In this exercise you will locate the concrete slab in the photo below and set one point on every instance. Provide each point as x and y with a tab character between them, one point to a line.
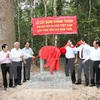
47	81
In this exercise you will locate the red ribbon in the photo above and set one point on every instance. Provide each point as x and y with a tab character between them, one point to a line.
63	48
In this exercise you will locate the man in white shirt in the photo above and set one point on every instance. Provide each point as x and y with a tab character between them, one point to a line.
27	66
71	59
95	58
17	58
5	62
83	53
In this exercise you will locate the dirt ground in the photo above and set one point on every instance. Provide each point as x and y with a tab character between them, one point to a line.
78	92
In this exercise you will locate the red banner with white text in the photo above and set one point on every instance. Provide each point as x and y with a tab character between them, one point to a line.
54	25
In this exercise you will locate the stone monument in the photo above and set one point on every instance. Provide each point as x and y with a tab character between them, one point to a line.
45	80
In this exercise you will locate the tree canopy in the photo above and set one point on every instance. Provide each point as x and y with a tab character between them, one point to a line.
87	12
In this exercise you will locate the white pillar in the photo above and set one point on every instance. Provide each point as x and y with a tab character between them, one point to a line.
41	65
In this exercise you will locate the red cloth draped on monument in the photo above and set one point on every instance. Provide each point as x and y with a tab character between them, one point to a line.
51	54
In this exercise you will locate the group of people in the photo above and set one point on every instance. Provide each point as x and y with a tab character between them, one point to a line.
11	62
89	60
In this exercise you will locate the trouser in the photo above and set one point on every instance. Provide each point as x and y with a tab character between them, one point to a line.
70	66
96	70
27	66
92	71
17	72
84	66
6	68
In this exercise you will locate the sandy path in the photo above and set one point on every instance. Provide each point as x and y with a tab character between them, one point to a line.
79	92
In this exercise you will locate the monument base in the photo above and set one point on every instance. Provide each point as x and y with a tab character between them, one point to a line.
46	80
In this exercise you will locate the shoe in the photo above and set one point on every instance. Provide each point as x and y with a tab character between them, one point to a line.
86	84
73	82
10	85
14	86
28	79
5	88
92	84
97	85
24	81
19	83
77	83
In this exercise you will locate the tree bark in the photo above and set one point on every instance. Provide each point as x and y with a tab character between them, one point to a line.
18	8
54	14
45	7
89	9
31	14
7	30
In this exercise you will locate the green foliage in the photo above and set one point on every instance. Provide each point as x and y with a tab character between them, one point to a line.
88	23
87	27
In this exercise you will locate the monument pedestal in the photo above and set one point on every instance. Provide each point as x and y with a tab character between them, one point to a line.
45	80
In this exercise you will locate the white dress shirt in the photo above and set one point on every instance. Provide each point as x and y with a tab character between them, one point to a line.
86	52
28	51
3	58
15	55
94	54
70	52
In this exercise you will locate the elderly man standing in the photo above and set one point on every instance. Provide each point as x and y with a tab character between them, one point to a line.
5	62
28	60
17	58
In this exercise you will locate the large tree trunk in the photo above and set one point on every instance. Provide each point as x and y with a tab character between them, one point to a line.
7	30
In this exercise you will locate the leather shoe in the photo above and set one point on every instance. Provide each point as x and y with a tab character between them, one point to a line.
14	86
97	85
10	86
92	84
73	82
19	83
24	81
5	88
86	84
77	83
